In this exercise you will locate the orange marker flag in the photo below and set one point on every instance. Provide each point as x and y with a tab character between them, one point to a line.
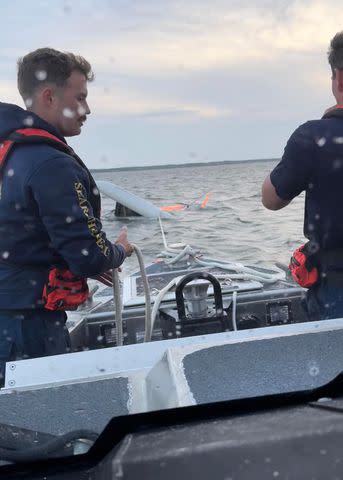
204	202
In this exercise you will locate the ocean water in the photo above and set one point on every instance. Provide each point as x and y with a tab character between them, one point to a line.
234	226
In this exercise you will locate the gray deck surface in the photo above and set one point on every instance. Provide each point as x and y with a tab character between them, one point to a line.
265	367
61	409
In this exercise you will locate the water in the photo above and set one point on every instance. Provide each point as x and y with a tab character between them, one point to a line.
234	225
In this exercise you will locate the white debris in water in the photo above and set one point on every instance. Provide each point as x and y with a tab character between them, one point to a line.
41	75
68	113
85	252
5	255
69	219
337	164
10	172
95	191
338	140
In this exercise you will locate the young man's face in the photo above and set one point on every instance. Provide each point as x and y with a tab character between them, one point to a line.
70	105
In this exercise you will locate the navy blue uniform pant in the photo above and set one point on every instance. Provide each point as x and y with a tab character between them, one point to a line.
31	334
324	302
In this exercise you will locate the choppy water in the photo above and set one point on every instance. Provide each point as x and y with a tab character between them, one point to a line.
234	225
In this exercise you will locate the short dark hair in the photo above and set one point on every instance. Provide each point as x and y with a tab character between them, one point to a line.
46	65
335	53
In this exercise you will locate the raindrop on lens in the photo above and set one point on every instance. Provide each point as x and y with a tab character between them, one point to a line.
28	102
313	369
81	111
321	142
68	113
41	75
337	164
28	121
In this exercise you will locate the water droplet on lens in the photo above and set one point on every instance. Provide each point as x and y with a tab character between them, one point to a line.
68	113
28	121
321	142
41	75
28	102
337	164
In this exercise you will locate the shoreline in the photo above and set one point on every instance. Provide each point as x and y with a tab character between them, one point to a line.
181	165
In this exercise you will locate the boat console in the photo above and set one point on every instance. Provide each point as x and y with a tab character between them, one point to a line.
202	301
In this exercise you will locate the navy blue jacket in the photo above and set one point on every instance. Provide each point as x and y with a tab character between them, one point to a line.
46	218
313	162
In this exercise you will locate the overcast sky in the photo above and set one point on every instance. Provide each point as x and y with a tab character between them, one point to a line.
183	81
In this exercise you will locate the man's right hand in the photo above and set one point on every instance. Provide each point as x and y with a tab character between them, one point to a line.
122	240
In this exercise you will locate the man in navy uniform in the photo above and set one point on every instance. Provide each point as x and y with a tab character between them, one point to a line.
313	162
49	206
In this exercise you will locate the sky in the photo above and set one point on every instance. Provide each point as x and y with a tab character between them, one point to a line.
183	81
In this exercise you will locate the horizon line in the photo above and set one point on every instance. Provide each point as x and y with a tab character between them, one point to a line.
181	165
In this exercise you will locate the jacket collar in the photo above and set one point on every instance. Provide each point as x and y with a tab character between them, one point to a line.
336	111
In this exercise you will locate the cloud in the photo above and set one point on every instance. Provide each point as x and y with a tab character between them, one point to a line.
196	37
185	60
120	101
